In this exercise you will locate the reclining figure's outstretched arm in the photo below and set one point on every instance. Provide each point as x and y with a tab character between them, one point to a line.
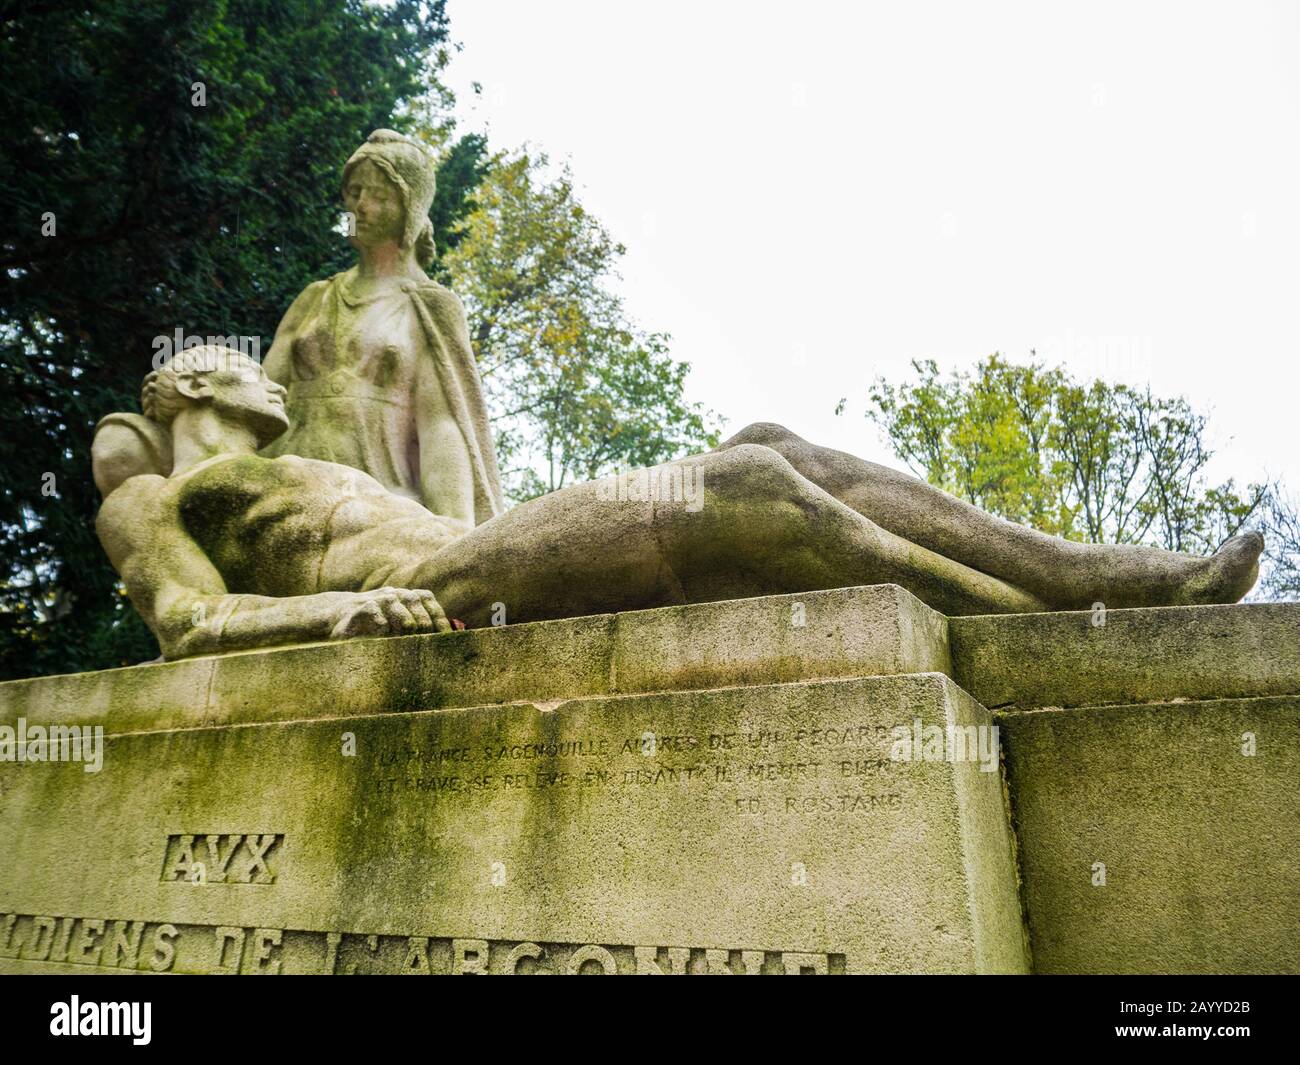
184	600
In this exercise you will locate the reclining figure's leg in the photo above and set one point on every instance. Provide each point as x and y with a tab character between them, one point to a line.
763	529
1065	574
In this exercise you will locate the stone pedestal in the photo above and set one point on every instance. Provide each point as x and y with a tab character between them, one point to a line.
789	784
1153	762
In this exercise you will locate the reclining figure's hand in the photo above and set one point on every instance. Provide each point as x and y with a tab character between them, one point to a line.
389	612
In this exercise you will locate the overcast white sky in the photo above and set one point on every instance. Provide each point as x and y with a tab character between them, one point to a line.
813	194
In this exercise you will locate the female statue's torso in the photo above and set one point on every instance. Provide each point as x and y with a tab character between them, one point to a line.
352	365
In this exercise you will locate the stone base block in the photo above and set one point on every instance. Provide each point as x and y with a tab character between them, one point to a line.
1160	838
844	632
745	830
701	788
1087	658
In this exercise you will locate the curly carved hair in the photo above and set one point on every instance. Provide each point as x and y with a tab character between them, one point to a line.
161	400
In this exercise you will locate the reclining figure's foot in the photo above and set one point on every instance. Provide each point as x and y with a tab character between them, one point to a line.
1227	575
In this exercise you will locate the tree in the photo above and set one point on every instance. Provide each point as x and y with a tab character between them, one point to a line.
1282	529
1092	461
573	387
462	168
164	166
982	439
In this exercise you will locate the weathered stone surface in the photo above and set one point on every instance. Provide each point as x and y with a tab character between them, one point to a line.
846	632
906	864
1200	841
1068	659
880	629
755	828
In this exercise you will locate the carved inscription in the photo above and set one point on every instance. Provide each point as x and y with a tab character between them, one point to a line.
221	859
161	947
149	946
801	772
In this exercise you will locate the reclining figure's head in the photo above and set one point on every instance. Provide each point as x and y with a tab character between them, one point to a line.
230	384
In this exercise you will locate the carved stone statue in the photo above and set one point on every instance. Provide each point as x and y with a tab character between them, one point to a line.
374	505
377	359
233	549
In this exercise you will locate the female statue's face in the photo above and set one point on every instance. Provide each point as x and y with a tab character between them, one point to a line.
376	204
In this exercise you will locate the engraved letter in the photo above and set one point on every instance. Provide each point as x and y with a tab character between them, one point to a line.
229	935
35	950
801	964
469	957
180	868
332	941
164	950
647	961
218	864
519	953
417	957
82	953
595	953
264	941
258	847
124	948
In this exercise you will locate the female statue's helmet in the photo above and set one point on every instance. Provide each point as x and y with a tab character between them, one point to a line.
411	167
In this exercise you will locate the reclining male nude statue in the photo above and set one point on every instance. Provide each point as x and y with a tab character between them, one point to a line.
223	549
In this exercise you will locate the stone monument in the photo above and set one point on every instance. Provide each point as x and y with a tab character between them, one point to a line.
772	709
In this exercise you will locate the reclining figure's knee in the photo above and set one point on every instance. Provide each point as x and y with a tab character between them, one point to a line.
751	470
769	434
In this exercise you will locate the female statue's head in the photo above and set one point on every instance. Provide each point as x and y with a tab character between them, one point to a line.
388	186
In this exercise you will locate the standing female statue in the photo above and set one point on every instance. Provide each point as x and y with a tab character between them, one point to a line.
377	360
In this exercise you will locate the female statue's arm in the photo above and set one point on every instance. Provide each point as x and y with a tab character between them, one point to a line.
278	364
